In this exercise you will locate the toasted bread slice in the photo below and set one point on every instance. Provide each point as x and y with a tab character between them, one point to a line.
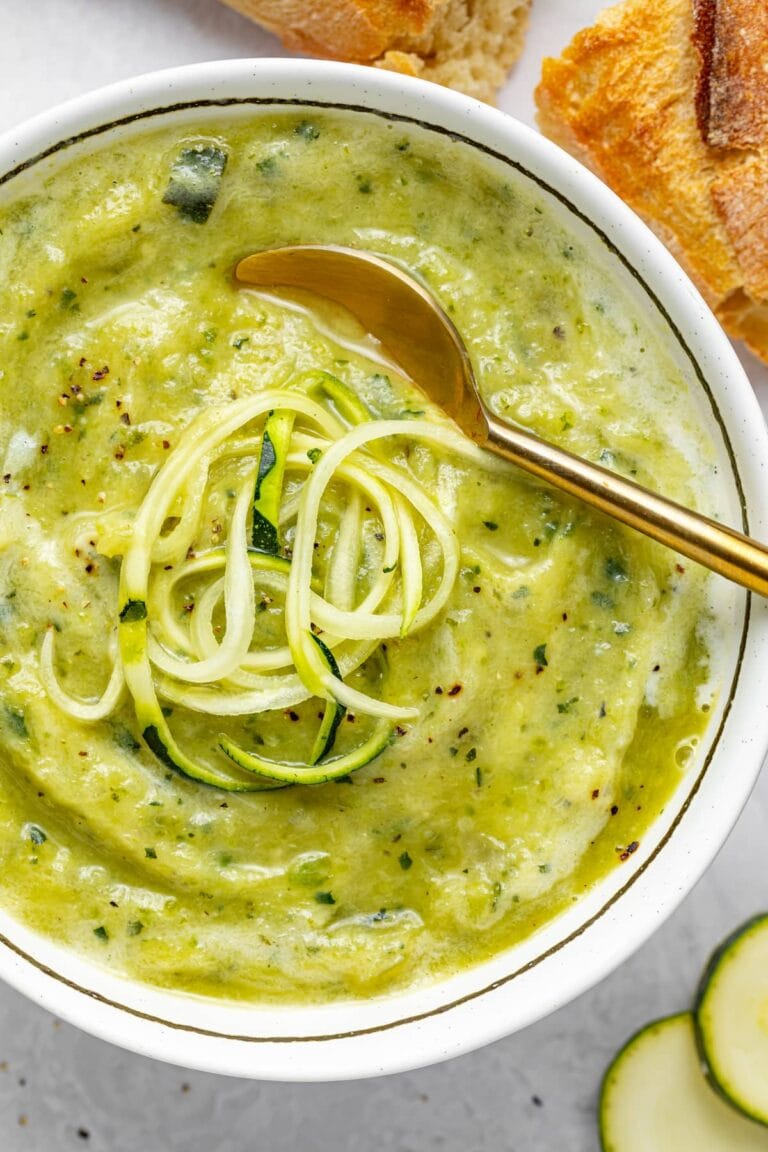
466	44
640	97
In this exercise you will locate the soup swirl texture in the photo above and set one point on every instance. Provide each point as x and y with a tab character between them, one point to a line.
552	703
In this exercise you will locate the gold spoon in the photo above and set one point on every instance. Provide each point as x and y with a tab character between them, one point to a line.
414	329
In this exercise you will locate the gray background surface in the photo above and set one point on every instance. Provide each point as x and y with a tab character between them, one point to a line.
534	1092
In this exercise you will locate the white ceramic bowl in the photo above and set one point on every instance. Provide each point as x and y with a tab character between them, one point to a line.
578	948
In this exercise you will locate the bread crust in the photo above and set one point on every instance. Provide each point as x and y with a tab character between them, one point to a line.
343	29
467	44
731	38
633	97
739	196
704	14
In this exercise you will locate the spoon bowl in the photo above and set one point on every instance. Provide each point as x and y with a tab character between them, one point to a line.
394	307
408	320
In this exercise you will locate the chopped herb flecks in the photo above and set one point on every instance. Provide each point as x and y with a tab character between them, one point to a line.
125	739
615	570
16	723
307	130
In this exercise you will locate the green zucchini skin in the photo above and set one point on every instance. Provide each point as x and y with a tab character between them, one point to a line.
195	181
323	773
275	442
334	711
264	531
706	1043
133	610
163	751
326	737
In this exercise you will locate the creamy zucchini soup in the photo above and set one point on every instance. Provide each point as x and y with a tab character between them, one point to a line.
303	695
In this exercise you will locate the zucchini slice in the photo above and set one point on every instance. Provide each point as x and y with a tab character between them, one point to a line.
654	1098
155	732
168	654
195	180
731	1015
334	769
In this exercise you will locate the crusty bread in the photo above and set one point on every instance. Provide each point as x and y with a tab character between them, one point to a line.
466	44
668	103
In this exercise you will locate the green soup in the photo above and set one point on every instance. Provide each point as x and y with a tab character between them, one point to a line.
559	691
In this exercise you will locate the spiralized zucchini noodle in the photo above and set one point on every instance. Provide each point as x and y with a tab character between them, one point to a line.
296	452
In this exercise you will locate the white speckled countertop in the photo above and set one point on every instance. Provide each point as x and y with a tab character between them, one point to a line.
60	1090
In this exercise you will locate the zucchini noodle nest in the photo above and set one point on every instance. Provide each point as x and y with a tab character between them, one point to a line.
293	452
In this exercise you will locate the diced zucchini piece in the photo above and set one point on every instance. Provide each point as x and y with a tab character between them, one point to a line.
347	403
655	1098
195	180
732	1019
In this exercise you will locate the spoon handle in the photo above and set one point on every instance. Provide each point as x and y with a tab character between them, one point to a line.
722	549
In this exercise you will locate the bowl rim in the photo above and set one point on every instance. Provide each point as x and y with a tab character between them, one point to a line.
486	1013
